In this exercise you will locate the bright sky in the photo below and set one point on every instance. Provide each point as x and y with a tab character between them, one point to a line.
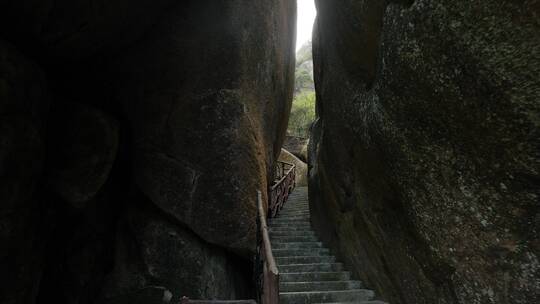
306	16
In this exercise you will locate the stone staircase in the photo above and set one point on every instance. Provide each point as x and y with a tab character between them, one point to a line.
308	272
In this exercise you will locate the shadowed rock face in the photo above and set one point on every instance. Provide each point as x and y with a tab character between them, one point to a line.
301	167
135	135
223	96
424	159
24	102
297	146
80	159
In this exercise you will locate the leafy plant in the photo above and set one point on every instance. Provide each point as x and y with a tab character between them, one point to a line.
303	107
302	114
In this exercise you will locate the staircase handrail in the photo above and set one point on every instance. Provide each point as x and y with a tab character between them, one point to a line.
267	273
279	192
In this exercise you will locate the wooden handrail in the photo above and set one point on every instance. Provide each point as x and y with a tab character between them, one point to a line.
287	163
280	181
270	261
279	192
266	271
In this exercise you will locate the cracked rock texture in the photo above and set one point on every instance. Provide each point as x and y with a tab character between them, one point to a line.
424	159
135	135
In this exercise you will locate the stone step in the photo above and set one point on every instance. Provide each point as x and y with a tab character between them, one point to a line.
291	229
303	217
315	276
358	302
315	267
300	252
292	216
308	273
299	226
319	286
294	211
296	245
308	259
290	220
304	226
293	239
296	206
306	297
293	233
298	212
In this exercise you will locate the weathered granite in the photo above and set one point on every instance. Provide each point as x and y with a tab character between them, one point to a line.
152	250
24	101
301	167
297	146
83	146
424	159
180	106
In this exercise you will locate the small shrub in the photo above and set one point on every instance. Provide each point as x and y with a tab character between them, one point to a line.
302	114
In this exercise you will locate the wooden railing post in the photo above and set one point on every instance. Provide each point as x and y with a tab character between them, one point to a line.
268	280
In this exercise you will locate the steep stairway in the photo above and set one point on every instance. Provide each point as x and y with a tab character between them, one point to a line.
308	272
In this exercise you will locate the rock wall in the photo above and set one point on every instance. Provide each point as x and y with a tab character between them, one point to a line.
134	137
301	169
424	159
297	146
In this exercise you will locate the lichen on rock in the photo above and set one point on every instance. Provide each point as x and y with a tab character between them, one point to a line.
424	168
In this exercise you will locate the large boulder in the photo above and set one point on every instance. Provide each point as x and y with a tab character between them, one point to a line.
23	107
82	149
301	167
180	106
297	146
207	123
152	250
425	155
60	31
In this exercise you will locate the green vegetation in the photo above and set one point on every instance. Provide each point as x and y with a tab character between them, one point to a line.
302	114
303	107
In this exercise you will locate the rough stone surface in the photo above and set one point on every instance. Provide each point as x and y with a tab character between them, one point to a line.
84	143
297	146
178	107
23	108
206	133
73	30
301	167
153	251
145	295
424	159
